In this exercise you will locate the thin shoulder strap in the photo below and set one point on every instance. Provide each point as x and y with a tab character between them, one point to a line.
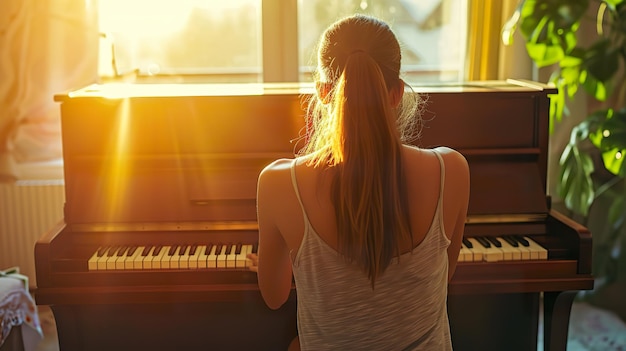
294	182
442	168
439	210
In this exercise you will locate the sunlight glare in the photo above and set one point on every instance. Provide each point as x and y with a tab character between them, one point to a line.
117	169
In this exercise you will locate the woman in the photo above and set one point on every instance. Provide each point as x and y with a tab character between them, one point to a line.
369	227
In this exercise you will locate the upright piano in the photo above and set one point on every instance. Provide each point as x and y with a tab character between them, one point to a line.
160	183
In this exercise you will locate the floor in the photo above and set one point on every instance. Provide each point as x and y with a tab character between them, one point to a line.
591	329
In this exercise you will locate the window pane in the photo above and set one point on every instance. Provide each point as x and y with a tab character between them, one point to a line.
182	37
432	33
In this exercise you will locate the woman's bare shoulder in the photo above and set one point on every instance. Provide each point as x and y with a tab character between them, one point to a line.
278	165
274	173
452	156
454	161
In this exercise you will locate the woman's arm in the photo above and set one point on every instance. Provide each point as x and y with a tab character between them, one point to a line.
274	263
456	199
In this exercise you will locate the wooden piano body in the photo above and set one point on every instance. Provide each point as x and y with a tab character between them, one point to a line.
160	164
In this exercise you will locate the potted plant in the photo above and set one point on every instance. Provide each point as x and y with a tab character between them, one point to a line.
592	167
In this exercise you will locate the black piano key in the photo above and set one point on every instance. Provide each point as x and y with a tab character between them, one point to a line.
103	250
511	241
146	251
157	250
238	248
192	249
218	248
521	240
207	251
494	241
183	250
112	251
172	250
484	242
132	250
468	243
229	248
122	251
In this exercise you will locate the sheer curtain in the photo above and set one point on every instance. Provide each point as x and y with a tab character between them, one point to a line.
46	47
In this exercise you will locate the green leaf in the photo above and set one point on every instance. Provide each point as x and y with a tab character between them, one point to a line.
596	88
576	186
609	137
614	161
593	125
601	61
614	3
544	55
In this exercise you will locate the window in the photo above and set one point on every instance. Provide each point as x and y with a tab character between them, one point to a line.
215	38
432	33
268	40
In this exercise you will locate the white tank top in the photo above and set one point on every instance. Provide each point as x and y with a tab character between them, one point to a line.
338	310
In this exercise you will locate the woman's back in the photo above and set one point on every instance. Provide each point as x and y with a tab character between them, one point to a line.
338	309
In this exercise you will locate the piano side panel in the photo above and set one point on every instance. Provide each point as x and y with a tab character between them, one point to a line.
47	247
579	238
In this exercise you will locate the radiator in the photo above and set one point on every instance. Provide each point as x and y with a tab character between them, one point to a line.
28	209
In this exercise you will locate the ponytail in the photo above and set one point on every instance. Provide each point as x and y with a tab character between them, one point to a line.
355	132
369	189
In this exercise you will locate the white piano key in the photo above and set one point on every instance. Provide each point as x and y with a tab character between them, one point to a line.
157	258
138	260
241	257
183	260
202	258
231	257
130	258
194	257
121	257
212	259
111	258
525	251
92	264
221	256
174	257
147	260
165	259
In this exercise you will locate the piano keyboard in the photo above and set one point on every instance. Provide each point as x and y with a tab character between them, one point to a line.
504	248
476	249
171	257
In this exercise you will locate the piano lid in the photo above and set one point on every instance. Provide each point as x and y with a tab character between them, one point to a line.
193	152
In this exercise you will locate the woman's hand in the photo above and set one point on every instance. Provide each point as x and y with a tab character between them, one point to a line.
254	262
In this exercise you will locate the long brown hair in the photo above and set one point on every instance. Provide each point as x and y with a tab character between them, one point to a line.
358	132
